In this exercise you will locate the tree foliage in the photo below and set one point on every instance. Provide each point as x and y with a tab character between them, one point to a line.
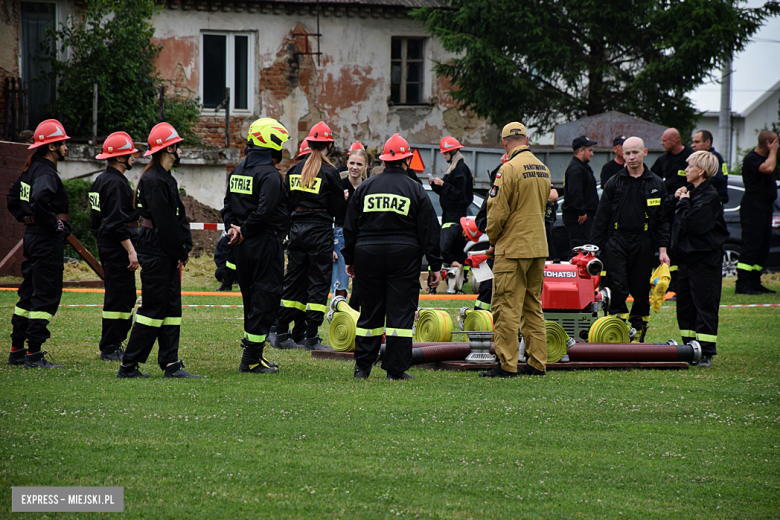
111	46
548	61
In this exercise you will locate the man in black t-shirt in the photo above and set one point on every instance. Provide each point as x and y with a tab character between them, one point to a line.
702	140
616	164
755	213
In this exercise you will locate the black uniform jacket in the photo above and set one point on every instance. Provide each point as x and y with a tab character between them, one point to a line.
699	226
671	168
456	193
39	193
391	208
580	194
481	218
111	209
615	195
325	193
720	181
158	200
256	200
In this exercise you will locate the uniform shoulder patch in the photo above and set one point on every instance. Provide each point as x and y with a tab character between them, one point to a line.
494	191
498	175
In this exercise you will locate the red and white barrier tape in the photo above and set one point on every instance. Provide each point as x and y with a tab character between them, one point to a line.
207	226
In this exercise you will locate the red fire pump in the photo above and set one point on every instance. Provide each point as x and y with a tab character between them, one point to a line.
571	296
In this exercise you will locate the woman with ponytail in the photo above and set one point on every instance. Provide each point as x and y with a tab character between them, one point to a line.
316	199
163	245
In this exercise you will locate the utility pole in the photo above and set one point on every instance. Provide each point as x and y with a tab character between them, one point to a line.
724	120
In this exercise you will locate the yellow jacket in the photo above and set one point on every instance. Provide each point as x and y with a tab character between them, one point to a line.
516	204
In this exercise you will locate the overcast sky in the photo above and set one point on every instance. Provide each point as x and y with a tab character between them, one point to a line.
756	70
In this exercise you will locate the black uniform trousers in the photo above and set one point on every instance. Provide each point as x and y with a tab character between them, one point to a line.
309	271
579	234
390	274
159	317
119	299
756	218
698	300
261	277
629	262
40	291
485	291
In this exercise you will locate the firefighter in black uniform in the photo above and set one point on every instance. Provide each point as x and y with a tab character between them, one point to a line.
256	217
115	222
580	196
629	226
39	199
485	297
390	224
316	198
671	168
699	232
755	213
164	243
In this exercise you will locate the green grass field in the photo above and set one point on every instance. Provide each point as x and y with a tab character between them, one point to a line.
311	442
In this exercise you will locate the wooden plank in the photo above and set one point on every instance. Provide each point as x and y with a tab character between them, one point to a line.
459	366
86	255
332	354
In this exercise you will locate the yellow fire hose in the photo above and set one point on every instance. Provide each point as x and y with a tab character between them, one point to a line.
608	329
557	341
433	326
478	319
341	332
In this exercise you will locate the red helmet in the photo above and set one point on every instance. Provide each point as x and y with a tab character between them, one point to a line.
449	144
355	146
50	131
320	133
504	159
117	145
304	149
396	148
162	136
469	226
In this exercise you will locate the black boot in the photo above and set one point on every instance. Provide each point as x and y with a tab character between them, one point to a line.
745	283
756	285
252	360
177	371
314	344
129	372
37	360
272	335
641	331
112	353
17	357
245	343
285	342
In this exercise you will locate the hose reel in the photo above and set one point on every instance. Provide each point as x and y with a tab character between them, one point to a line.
609	329
343	324
433	326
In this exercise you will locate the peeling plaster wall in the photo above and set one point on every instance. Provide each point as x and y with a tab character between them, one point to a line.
349	89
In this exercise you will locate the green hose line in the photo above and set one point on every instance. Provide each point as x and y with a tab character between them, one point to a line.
433	326
556	341
478	320
608	329
341	332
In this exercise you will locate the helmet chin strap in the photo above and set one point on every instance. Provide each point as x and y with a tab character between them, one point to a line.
127	164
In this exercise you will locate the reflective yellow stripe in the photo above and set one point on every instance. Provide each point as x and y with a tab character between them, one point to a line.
687	333
744	267
757	267
447	224
707	337
113	315
672	268
367	333
40	315
644	318
21	312
294	305
316	307
401	333
482	305
466	267
230	265
254	338
603	273
725	170
149	322
172	321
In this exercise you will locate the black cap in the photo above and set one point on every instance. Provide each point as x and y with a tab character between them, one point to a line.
582	141
619	140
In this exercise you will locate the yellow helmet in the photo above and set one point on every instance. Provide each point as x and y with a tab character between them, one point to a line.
267	132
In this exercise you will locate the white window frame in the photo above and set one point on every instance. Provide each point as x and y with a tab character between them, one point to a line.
230	72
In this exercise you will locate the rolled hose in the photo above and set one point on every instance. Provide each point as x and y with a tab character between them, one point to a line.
477	320
608	329
556	341
433	325
341	332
